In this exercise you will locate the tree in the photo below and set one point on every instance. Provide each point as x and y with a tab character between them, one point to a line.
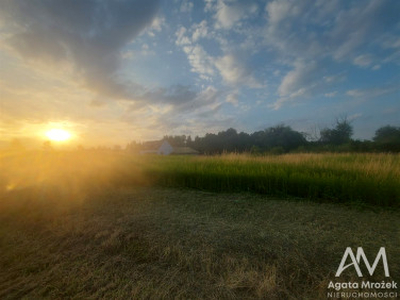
189	141
387	138
341	134
177	140
280	136
228	140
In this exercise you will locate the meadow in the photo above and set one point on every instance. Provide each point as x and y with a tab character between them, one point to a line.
113	225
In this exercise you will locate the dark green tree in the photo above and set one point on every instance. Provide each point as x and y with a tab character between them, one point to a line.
284	138
340	134
387	138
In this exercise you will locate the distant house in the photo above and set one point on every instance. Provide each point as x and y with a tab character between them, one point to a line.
163	147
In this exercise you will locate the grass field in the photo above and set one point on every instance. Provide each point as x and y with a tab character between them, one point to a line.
363	178
366	179
96	225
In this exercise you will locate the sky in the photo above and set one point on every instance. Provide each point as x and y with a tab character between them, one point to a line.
110	72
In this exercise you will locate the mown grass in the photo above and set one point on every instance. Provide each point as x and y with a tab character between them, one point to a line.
159	243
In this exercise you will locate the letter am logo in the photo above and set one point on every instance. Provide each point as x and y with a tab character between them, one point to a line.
355	261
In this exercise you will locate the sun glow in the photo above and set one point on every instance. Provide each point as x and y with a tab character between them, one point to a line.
58	135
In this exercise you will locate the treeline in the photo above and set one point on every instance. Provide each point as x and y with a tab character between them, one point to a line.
283	139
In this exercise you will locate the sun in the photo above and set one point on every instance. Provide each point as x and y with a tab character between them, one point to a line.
58	135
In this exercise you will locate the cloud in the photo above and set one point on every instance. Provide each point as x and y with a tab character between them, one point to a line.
363	60
128	54
156	26
209	5
181	37
368	23
186	6
87	34
178	99
232	68
298	80
287	28
312	36
207	99
373	92
390	41
330	95
281	10
230	13
376	67
312	29
355	93
201	62
354	117
235	72
305	80
175	95
200	30
335	78
188	111
232	98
